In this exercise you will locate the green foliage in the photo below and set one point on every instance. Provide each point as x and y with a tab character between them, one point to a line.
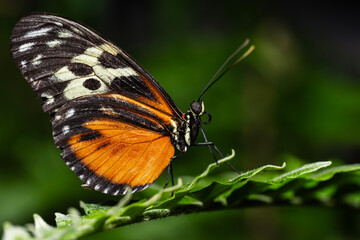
312	184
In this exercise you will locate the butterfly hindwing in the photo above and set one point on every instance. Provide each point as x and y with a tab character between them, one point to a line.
111	118
108	155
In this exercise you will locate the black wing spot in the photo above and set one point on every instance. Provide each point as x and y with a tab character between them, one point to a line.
90	136
103	145
92	84
80	69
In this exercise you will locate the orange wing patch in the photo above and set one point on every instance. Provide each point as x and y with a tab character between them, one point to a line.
161	114
160	102
121	153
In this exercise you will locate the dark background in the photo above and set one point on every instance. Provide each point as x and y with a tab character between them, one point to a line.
297	95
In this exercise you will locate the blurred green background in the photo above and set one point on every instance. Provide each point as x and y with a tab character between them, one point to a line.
297	94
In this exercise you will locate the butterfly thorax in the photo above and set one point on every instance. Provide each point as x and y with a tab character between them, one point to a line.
188	131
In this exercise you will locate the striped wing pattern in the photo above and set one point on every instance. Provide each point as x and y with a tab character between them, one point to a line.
112	120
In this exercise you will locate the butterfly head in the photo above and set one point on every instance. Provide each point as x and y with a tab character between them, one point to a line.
197	108
189	131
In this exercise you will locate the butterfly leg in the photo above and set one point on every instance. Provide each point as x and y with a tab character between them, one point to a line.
170	170
211	144
169	174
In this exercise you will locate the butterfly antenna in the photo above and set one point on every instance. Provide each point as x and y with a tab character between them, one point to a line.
221	70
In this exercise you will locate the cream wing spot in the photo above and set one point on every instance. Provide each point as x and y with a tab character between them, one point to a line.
37	59
89	181
89	57
38	32
63	74
48	97
110	48
76	30
76	88
86	59
102	73
66	129
23	63
64	34
58	24
109	74
50	101
108	111
54	43
124	72
70	113
94	51
26	46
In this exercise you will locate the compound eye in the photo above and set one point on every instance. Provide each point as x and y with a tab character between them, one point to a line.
197	107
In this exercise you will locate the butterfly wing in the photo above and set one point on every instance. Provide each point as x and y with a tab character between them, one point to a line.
112	120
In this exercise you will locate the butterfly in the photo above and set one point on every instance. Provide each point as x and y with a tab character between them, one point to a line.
116	126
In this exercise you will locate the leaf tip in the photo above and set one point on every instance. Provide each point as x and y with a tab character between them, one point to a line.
14	232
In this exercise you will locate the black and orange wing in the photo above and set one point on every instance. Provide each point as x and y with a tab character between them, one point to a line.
113	154
110	117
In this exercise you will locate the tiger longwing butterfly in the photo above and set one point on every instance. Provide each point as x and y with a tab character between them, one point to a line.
115	124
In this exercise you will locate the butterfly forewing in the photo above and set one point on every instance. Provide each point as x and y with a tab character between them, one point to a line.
111	118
